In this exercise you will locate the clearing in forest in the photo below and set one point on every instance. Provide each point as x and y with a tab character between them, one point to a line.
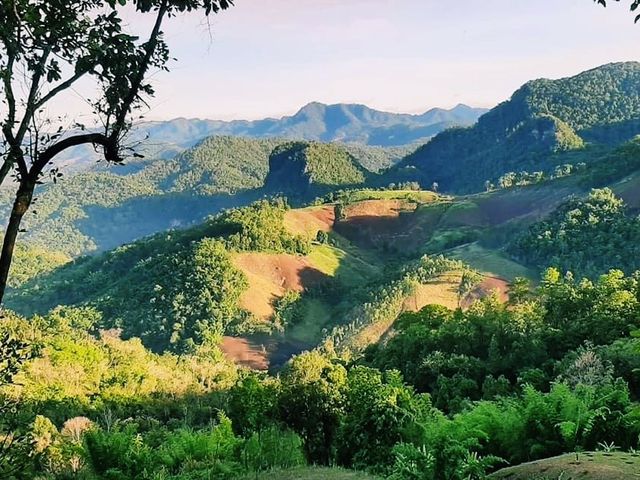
587	466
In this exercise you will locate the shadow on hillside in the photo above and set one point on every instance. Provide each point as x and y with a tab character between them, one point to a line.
612	133
111	227
270	351
383	233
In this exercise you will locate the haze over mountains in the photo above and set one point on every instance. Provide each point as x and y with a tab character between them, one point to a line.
346	123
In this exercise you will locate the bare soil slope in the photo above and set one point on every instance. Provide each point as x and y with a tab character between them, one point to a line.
270	276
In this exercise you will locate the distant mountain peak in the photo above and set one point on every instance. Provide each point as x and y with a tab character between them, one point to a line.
344	122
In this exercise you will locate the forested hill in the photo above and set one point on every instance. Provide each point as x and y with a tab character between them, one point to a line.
542	118
104	209
345	123
298	167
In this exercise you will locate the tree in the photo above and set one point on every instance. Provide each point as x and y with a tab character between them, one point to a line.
14	447
634	6
312	403
379	411
46	48
468	281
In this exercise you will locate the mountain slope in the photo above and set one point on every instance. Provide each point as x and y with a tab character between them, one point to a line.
586	237
103	209
300	167
252	270
542	118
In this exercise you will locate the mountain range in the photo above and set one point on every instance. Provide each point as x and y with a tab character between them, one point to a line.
344	123
347	123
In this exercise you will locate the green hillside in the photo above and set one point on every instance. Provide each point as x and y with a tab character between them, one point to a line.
102	210
262	269
173	280
106	208
542	118
585	465
217	165
301	167
586	237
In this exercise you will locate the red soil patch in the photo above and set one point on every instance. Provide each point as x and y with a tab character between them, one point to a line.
309	221
246	352
261	352
270	276
487	287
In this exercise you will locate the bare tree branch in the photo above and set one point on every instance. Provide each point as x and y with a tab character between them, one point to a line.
110	150
150	47
30	109
60	88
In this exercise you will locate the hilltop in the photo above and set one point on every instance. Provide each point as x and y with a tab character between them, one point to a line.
543	119
299	168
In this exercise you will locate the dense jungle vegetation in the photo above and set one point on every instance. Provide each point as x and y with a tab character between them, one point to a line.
584	236
453	394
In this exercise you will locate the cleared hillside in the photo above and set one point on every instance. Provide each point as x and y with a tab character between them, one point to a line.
272	280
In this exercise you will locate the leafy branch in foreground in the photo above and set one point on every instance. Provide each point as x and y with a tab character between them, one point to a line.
46	48
13	444
634	6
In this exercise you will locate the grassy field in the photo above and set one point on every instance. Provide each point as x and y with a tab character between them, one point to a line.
312	474
417	196
490	262
346	267
589	466
316	316
439	291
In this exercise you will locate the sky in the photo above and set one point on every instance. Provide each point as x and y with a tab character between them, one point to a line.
267	58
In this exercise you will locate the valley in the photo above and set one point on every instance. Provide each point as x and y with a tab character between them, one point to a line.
411	297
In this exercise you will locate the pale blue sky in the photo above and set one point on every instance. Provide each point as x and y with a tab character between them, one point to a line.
269	57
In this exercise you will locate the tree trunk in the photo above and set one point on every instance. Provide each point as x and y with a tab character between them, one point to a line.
20	207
